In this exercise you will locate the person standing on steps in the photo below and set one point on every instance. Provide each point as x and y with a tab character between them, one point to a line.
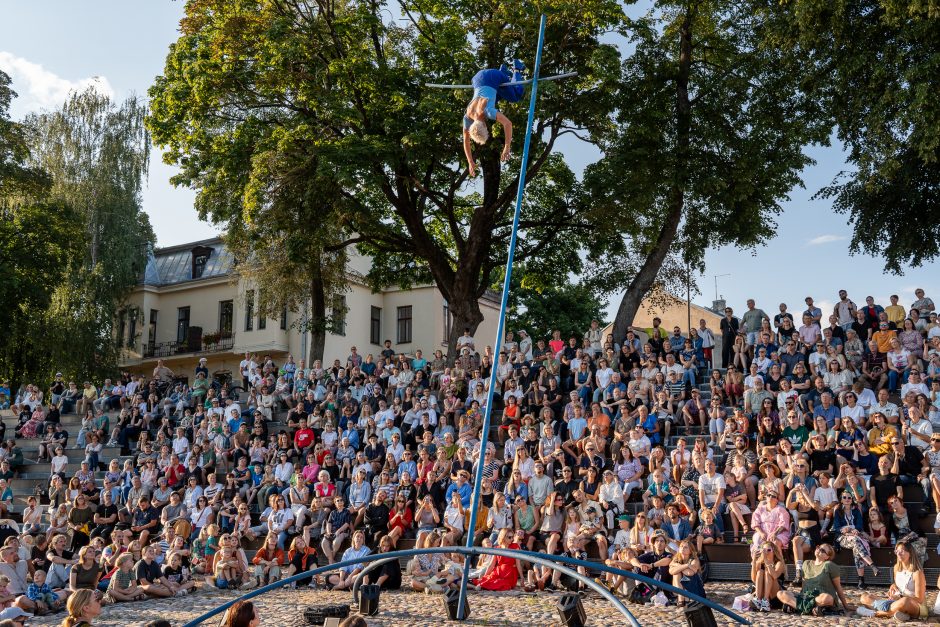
729	330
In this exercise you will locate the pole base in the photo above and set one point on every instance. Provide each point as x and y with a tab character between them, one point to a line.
451	600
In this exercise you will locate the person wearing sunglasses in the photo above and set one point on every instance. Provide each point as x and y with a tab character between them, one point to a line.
849	526
822	586
930	477
768	573
908	593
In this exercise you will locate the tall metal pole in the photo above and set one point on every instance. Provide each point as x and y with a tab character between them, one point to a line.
488	413
688	297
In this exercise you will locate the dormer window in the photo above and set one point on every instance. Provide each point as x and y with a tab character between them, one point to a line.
201	256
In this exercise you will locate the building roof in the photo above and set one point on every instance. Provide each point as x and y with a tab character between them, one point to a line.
174	264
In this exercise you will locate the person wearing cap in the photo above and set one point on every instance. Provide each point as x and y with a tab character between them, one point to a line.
14	617
883	335
461	487
592	527
611	497
676	528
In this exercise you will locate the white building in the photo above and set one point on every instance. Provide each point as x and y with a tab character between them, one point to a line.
191	303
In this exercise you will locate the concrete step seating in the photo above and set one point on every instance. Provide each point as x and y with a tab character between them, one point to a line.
727	561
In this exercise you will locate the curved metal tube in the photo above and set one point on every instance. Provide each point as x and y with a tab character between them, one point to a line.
534	558
650	582
602	567
539	559
365	571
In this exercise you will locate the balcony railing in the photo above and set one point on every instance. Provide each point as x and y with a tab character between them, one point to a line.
194	345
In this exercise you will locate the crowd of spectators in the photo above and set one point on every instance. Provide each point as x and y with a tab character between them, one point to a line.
635	450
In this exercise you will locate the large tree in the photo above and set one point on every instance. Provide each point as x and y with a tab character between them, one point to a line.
339	87
711	129
540	309
286	244
36	248
874	65
96	153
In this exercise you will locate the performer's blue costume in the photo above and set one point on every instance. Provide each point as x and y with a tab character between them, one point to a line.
489	84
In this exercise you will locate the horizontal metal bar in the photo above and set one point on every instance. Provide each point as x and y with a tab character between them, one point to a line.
525	82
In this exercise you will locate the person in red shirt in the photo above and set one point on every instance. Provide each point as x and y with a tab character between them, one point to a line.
399	520
304	439
175	472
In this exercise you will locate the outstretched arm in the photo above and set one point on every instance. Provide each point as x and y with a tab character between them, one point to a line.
507	131
468	151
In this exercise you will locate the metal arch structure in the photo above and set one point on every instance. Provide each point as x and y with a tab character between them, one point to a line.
377	559
533	558
557	560
552	561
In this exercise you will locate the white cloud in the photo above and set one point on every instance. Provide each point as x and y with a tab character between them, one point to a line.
826	306
825	239
40	88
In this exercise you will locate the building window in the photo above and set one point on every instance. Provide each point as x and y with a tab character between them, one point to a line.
404	325
448	322
132	335
182	325
262	320
339	315
226	314
122	327
284	318
375	326
250	310
152	331
201	256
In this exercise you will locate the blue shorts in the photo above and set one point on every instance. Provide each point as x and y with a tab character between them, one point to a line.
882	606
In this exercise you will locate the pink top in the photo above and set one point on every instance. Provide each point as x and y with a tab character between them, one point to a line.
766	521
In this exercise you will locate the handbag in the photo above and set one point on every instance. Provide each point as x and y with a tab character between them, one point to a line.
641	594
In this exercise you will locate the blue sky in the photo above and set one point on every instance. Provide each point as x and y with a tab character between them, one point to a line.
52	46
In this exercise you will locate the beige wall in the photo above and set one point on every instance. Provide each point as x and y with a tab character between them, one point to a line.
272	339
203	299
673	312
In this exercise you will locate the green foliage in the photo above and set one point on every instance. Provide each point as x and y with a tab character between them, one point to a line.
18	179
873	66
97	154
540	309
337	89
711	126
73	237
37	243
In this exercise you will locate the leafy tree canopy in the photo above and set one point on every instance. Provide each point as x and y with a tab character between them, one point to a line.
873	66
337	90
73	237
540	309
711	125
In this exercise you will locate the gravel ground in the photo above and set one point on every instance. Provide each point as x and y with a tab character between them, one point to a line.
285	609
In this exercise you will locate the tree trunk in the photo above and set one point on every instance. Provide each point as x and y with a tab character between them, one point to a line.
465	313
656	255
316	324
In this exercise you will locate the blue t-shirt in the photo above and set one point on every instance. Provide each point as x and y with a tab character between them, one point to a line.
576	427
485	84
